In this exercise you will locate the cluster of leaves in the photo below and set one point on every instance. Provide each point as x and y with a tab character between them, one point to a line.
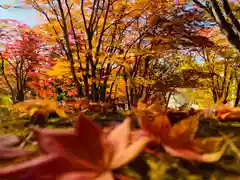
23	54
96	52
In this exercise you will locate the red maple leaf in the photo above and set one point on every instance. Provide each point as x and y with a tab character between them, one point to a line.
7	151
83	153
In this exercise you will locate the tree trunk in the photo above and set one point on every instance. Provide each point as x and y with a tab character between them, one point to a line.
86	85
20	96
127	92
132	95
94	92
237	96
80	91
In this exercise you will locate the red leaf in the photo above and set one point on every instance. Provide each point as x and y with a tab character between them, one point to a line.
68	144
84	153
91	138
77	176
8	153
44	167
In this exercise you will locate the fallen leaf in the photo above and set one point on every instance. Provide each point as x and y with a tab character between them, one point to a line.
86	152
179	140
7	151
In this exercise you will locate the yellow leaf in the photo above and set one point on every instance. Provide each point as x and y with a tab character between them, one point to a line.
61	113
32	111
213	157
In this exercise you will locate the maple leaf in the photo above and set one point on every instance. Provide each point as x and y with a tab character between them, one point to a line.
179	140
152	119
7	151
83	153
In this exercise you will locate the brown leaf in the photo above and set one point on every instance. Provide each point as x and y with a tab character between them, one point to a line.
160	126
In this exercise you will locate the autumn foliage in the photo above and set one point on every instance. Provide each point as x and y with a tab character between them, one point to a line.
102	88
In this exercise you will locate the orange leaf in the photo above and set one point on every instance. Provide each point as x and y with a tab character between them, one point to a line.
185	130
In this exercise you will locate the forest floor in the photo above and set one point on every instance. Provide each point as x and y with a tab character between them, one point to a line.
148	166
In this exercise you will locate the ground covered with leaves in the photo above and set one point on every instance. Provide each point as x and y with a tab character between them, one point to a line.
146	143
